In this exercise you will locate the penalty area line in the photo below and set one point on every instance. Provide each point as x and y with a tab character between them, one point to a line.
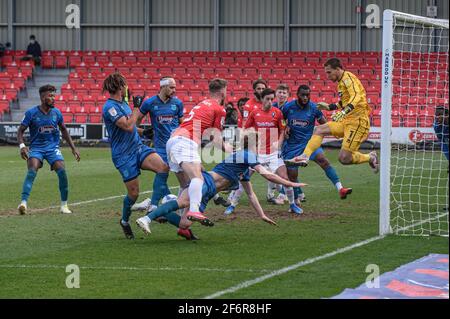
94	200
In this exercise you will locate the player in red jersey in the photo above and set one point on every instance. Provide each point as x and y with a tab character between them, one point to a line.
205	119
269	123
255	103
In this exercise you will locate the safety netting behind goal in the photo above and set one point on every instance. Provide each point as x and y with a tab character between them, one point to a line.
419	136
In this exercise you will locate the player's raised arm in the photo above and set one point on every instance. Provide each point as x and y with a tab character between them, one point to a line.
116	85
255	203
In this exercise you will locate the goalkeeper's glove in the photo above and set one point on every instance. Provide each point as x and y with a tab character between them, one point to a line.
127	95
327	107
137	101
339	116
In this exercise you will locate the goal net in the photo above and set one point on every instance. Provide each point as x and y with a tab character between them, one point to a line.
414	161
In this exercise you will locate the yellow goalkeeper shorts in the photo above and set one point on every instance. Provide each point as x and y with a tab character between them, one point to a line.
354	132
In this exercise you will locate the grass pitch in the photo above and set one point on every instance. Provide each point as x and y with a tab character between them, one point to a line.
35	249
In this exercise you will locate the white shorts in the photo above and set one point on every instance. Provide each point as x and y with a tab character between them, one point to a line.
181	149
271	161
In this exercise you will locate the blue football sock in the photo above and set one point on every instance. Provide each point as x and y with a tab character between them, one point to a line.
297	192
126	210
164	210
63	184
28	184
173	218
160	188
332	175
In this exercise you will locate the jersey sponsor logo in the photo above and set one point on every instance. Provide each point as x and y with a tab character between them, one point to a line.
46	129
112	111
165	119
265	124
301	123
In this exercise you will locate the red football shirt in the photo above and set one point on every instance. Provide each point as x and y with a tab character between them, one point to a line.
249	107
205	115
269	125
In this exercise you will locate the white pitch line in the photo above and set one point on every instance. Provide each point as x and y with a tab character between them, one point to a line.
281	271
135	268
93	201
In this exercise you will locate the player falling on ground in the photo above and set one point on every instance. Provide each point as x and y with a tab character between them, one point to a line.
129	154
351	122
182	148
300	116
45	123
166	115
269	123
234	170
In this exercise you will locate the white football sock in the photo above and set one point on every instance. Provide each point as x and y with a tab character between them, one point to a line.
195	194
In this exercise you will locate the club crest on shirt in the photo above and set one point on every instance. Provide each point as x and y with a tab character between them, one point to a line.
174	107
54	117
340	94
112	111
273	115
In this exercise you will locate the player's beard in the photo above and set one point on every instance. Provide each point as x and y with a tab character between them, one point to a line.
257	95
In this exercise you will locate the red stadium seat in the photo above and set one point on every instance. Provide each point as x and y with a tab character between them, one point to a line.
61	62
47	62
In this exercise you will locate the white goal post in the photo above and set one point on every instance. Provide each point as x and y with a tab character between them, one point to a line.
413	170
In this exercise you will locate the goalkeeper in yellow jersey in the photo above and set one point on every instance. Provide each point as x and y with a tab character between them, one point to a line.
351	122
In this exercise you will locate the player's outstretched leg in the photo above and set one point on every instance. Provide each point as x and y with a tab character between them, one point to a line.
64	190
26	190
128	201
373	162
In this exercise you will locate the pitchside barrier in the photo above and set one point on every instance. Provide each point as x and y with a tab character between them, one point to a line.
406	136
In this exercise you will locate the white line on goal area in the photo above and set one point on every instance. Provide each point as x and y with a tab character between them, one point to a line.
39	266
308	261
94	200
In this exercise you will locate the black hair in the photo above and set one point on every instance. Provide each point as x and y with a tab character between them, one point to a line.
303	87
242	101
46	88
266	92
114	82
259	81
